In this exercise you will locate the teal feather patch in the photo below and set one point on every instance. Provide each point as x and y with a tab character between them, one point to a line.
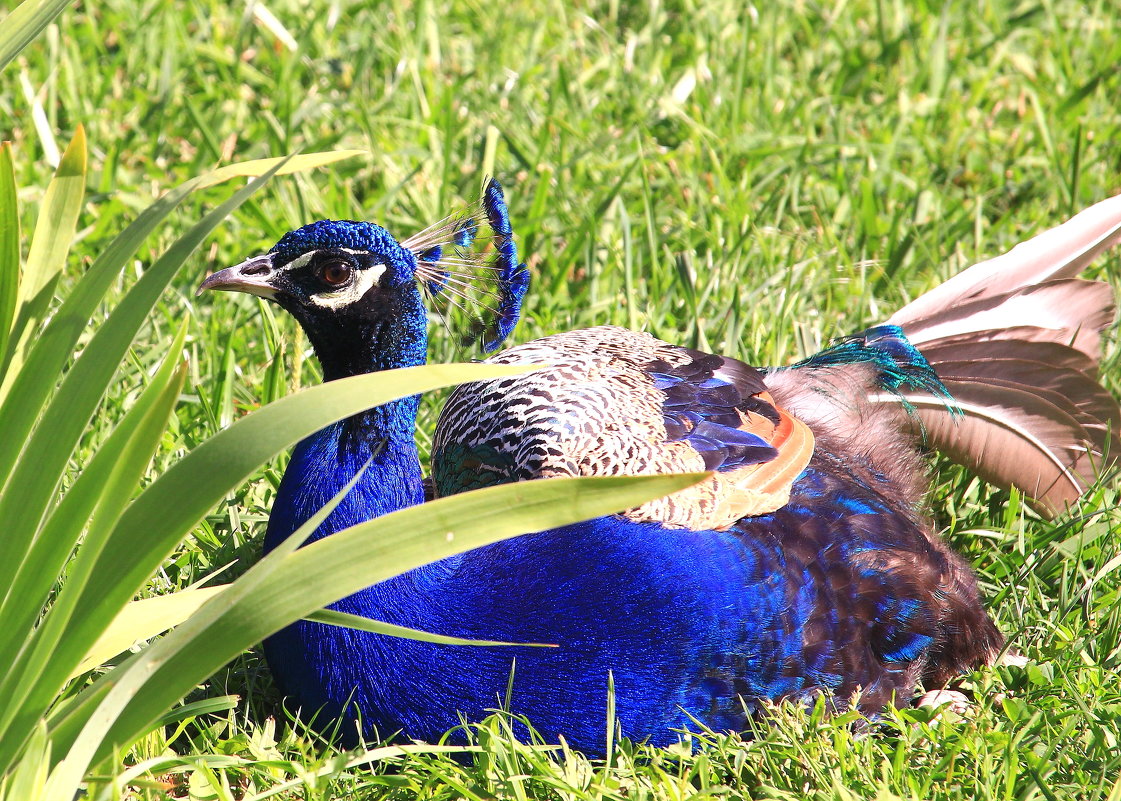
460	468
900	367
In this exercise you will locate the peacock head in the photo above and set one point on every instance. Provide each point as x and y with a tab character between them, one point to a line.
359	293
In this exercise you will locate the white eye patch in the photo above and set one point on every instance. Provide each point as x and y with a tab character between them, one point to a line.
362	282
298	262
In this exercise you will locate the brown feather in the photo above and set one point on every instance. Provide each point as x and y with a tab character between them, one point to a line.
1071	311
596	411
1061	252
1010	343
1017	341
1013	437
1071	390
795	444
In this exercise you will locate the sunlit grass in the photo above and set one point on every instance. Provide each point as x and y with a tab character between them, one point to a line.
753	180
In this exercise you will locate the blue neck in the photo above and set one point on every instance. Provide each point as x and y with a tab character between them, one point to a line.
333	456
384	436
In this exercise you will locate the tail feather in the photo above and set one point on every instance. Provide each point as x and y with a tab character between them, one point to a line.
1062	252
1016	437
1068	311
1017	342
1024	343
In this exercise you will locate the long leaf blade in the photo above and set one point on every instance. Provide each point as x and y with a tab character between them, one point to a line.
277	592
63	619
40	569
148	617
27	676
164	512
142	620
9	249
140	428
333	617
55	343
32	484
25	23
162	515
54	232
281	165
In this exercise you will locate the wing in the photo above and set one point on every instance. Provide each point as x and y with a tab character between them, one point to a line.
616	402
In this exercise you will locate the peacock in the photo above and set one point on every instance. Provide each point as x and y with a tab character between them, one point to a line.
803	567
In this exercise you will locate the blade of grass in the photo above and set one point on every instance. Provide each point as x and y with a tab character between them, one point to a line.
368	758
142	620
148	617
277	166
30	776
29	678
24	24
54	345
174	609
54	232
159	518
37	575
334	618
33	482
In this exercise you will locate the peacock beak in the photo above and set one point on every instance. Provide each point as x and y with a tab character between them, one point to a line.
253	276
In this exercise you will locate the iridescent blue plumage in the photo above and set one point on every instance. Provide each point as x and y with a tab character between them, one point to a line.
335	234
703	410
719	622
490	290
513	275
462	235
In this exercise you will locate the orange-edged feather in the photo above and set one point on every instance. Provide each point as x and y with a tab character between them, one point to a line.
762	488
617	402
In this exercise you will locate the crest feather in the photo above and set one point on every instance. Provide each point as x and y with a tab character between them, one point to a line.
455	265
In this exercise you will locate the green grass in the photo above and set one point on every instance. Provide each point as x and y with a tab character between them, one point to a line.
753	181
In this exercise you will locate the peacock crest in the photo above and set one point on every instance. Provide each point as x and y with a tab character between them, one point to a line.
454	266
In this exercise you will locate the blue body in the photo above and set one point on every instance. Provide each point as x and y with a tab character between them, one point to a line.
686	622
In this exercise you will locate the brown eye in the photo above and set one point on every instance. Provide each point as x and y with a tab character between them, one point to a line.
335	273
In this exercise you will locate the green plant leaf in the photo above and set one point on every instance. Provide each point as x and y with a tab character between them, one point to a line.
365	758
334	618
162	515
24	24
28	390
145	618
281	165
148	617
9	249
276	592
54	232
116	490
142	620
32	485
28	782
47	555
159	518
63	620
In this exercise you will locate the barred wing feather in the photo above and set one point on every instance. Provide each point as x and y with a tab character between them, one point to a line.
616	402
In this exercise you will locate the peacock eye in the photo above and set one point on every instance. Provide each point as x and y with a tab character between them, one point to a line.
335	273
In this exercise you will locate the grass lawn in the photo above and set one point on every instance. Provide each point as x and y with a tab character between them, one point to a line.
748	179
